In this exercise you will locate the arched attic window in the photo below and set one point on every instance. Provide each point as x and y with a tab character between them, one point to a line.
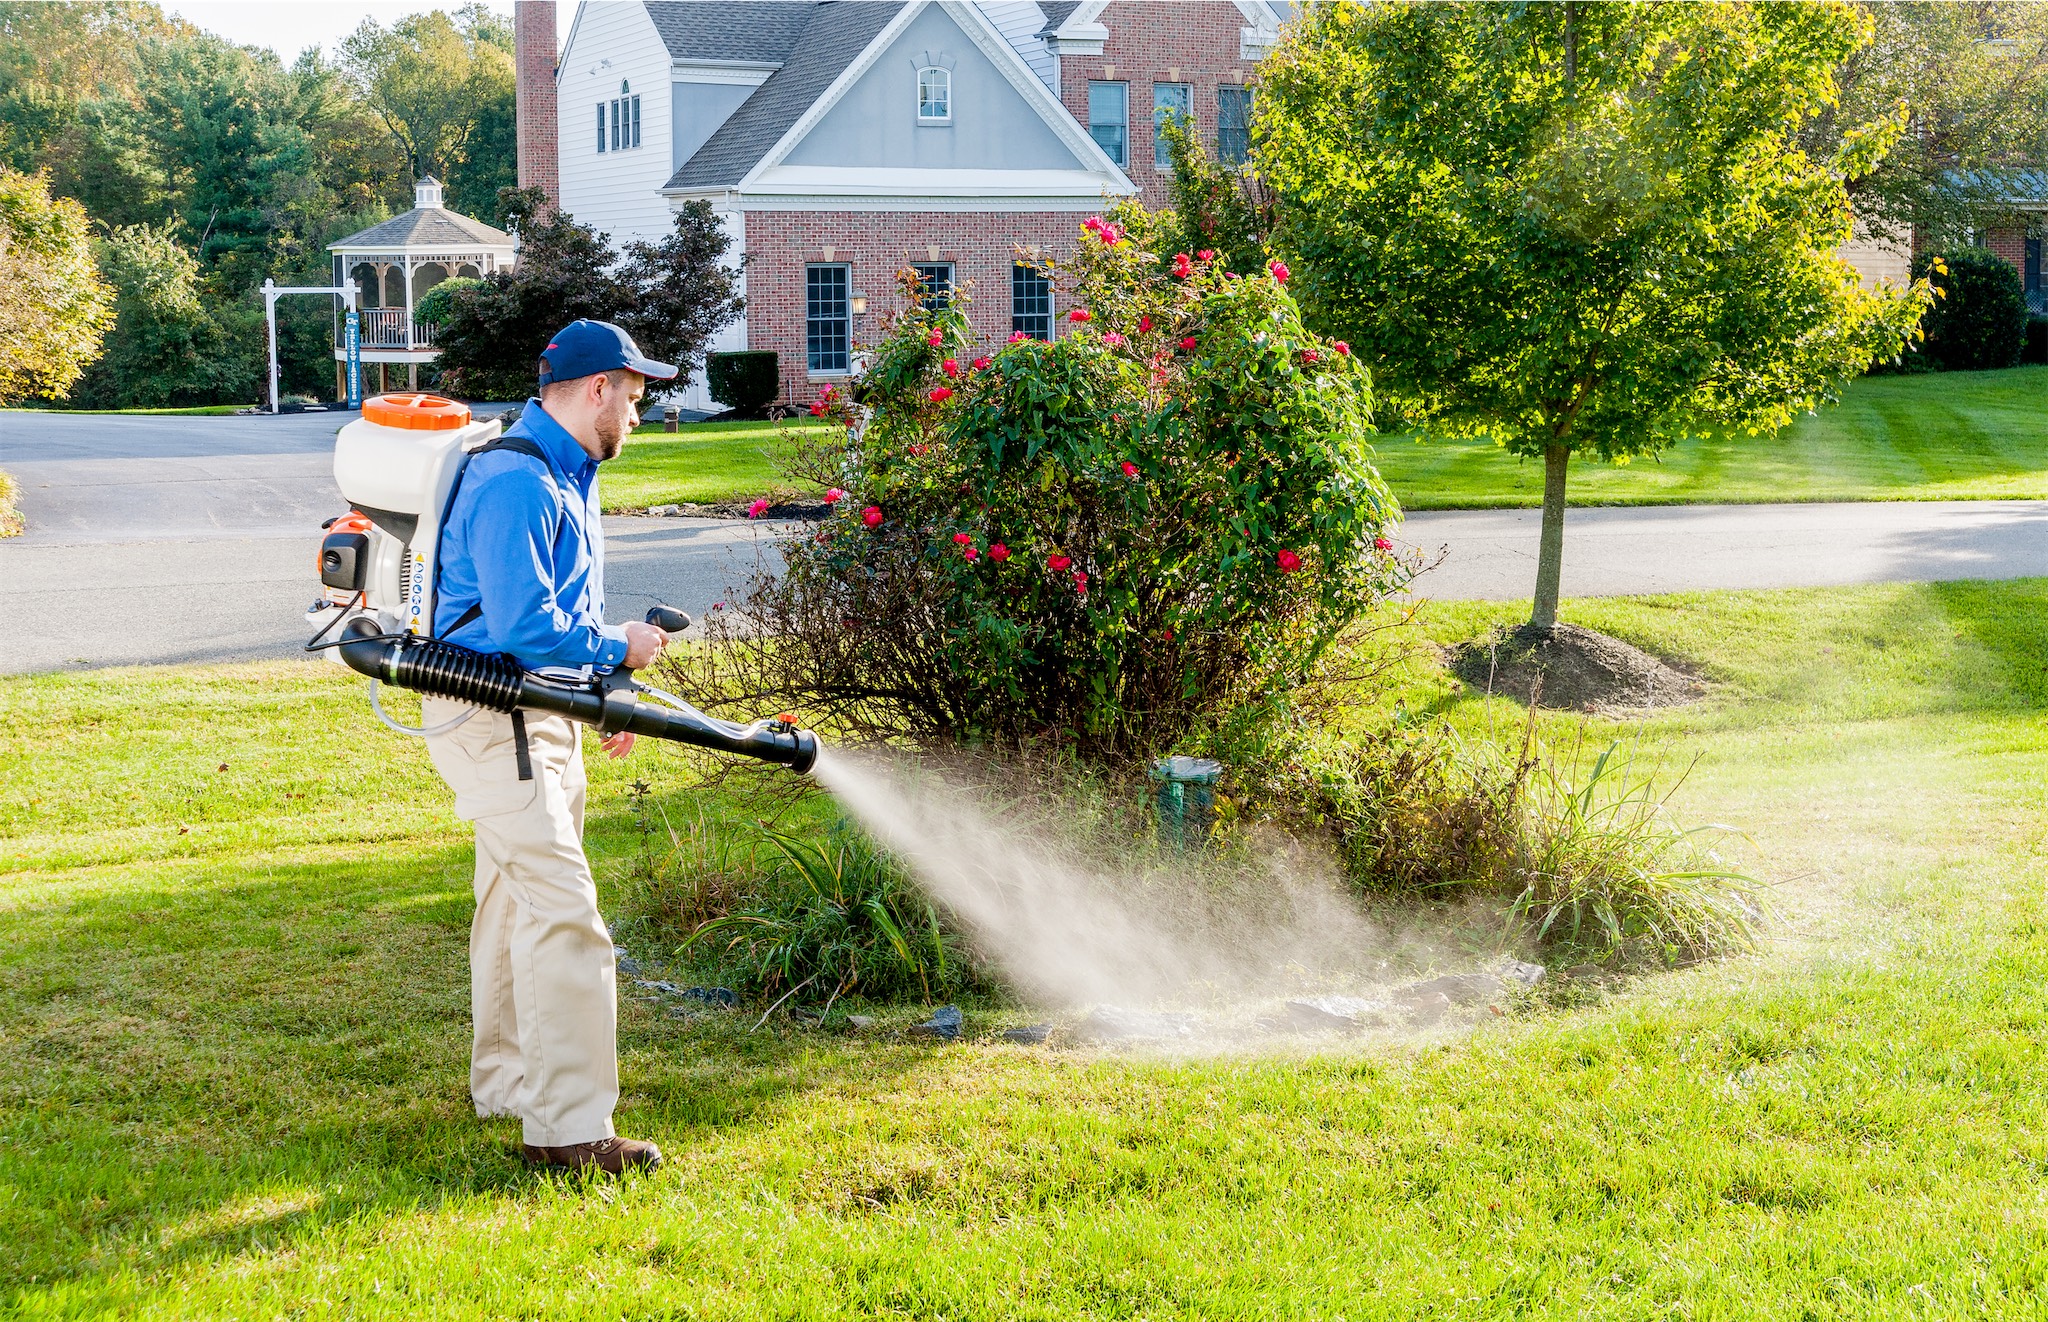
934	95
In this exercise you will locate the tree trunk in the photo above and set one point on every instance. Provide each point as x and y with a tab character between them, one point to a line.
1550	552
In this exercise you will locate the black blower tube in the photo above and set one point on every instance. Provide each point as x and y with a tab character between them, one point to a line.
445	670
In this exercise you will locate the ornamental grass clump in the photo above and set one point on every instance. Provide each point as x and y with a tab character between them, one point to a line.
1104	539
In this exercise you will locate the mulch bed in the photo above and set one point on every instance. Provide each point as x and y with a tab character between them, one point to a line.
1574	669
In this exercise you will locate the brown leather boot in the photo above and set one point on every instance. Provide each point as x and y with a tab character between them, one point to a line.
613	1156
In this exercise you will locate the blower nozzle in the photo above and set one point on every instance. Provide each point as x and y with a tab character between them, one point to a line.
611	704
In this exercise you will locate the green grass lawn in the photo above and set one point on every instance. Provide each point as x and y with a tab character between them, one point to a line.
1950	436
233	1011
700	463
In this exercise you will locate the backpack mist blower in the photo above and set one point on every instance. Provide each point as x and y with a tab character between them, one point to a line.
399	467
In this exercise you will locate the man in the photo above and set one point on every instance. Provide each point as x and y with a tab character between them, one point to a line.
522	573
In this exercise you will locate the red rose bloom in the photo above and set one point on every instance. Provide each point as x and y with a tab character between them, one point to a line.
1279	270
998	552
1188	343
1144	323
935	339
1080	582
961	538
1058	562
1310	356
1015	336
969	552
757	509
1382	544
1080	314
871	516
951	367
942	394
834	496
1130	469
982	362
1341	347
1289	562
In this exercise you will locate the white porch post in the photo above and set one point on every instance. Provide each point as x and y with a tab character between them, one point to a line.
412	368
270	321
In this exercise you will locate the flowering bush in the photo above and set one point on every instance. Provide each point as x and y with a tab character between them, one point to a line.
1108	538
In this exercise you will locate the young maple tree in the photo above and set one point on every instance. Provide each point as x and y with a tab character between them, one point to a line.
1577	228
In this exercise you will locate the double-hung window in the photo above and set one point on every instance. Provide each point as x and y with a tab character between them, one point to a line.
1109	119
1169	100
934	96
937	279
1233	124
828	321
624	121
1030	301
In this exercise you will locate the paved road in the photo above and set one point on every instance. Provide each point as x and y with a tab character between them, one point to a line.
192	539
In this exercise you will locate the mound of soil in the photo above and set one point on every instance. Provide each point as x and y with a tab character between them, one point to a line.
1574	669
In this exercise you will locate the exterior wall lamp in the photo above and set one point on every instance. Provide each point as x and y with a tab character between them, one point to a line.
859	304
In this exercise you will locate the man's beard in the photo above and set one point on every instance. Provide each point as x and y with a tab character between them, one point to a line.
611	437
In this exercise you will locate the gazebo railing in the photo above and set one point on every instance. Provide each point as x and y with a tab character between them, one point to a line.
385	328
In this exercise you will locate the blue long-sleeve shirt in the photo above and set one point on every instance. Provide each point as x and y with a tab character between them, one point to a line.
527	541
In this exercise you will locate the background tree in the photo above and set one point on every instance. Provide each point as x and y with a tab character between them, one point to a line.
1971	82
1216	206
170	348
671	296
1577	227
54	308
443	85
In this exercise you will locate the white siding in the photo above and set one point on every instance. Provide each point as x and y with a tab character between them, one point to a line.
1020	23
1875	260
614	41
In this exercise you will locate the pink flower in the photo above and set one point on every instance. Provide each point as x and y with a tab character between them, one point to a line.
998	552
1015	336
1310	356
1279	270
1080	314
1111	235
1113	340
1093	223
951	367
961	538
935	339
829	391
818	409
1289	562
969	552
1130	469
982	362
1341	347
1080	582
758	508
834	496
1058	562
942	394
1207	254
1144	323
1382	544
871	516
1188	343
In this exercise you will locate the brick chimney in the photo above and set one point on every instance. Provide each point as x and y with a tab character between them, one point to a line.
533	31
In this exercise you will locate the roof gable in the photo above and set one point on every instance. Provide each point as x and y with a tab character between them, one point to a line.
832	38
426	227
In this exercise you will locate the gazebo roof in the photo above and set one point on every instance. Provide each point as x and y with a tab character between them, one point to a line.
427	225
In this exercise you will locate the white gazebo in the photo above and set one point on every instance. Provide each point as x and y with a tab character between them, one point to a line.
394	264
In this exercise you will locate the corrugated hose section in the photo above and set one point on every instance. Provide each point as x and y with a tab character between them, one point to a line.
448	671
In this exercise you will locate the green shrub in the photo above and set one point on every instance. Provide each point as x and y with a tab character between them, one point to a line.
837	918
1168	512
434	305
1577	846
745	381
2037	341
1979	318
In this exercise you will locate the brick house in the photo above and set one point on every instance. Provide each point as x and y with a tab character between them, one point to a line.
2014	234
841	142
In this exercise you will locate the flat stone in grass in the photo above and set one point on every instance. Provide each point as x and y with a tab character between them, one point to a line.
1574	669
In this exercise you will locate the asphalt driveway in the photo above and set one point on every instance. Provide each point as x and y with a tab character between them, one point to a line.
155	540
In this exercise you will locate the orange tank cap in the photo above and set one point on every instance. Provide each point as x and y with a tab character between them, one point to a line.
416	412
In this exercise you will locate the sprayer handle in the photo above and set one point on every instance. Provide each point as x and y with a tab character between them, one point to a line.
668	619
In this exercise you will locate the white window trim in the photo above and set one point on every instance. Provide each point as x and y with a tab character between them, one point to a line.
946	77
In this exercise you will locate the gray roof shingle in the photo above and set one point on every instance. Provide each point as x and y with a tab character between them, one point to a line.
833	36
426	227
755	31
1055	12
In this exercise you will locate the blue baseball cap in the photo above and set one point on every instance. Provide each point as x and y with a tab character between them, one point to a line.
585	348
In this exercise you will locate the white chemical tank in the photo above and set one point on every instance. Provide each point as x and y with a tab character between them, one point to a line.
398	464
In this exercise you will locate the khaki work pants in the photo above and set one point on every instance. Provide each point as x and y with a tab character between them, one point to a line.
542	982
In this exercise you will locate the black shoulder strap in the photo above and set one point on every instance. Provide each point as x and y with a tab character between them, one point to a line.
518	445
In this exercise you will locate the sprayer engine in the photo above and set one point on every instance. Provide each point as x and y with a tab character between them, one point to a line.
399	467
